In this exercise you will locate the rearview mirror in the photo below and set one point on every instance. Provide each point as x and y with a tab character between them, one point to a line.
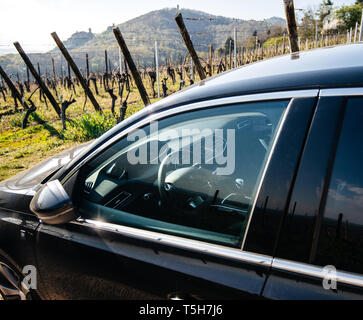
52	204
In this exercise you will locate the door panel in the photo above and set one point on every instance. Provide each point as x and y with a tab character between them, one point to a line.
298	285
82	261
78	262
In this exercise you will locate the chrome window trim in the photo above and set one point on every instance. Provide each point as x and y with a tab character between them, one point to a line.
341	92
194	106
316	271
180	242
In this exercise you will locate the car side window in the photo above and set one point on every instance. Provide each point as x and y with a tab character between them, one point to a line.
194	174
340	241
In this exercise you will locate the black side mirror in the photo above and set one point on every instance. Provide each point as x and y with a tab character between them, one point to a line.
52	204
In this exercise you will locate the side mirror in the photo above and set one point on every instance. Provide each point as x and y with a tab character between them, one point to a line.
52	204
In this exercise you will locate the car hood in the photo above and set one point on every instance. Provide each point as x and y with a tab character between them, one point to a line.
28	180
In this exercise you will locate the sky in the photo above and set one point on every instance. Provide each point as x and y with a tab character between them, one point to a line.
31	21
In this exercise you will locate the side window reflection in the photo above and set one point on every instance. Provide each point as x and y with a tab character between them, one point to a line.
193	175
341	233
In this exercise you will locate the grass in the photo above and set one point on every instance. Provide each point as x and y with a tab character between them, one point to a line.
21	149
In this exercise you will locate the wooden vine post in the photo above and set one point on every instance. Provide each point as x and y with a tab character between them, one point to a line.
135	73
211	60
53	69
291	25
188	42
38	79
76	71
13	89
87	67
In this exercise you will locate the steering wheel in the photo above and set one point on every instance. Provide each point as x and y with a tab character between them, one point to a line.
199	175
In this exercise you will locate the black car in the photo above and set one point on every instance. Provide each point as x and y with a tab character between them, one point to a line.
245	185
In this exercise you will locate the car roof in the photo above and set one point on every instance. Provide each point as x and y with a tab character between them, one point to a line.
338	66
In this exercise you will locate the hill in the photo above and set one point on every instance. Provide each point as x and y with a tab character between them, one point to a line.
141	33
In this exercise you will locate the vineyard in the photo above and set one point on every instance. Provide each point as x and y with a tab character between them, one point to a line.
45	113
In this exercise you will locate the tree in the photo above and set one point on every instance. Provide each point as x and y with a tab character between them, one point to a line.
349	15
220	51
277	31
228	44
325	10
307	26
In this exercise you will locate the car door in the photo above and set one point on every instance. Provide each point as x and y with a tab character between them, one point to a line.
319	255
171	207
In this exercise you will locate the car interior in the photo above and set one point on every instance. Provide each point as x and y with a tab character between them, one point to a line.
178	193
